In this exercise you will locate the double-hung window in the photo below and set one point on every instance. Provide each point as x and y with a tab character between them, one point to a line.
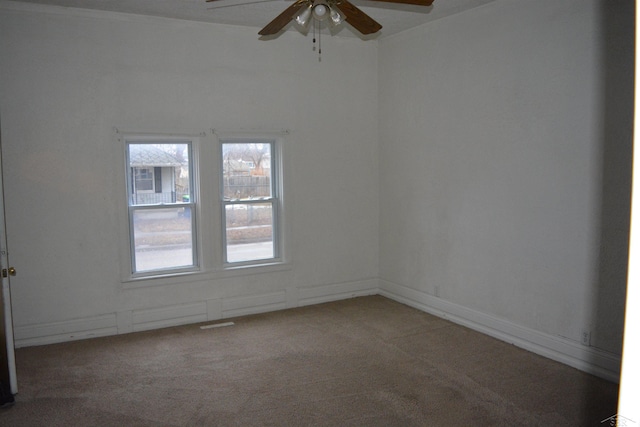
250	201
161	204
178	226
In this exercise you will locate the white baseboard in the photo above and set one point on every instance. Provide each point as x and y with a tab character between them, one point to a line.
337	291
588	359
253	304
68	330
144	319
163	317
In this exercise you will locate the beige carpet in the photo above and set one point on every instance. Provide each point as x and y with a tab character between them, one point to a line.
360	362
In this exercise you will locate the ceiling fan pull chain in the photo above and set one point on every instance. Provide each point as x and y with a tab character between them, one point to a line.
319	43
313	24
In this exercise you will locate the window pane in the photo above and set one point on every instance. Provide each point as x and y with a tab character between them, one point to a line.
246	170
159	173
162	238
249	230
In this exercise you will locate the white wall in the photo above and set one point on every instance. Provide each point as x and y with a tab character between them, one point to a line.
500	143
69	77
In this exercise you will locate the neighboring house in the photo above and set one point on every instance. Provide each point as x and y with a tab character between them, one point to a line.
234	167
154	174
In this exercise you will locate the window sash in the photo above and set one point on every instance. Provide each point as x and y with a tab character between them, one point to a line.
274	237
272	200
164	206
138	258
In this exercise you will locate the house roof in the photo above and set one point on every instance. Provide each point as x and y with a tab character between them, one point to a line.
150	155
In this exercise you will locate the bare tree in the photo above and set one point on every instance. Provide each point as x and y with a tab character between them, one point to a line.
236	156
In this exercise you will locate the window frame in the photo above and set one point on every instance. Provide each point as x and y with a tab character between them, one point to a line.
206	150
275	200
192	204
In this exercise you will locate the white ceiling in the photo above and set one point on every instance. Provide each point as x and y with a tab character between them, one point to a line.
394	18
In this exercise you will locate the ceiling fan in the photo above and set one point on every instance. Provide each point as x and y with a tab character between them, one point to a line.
334	12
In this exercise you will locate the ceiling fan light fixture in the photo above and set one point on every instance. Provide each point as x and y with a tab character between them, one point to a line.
304	18
335	18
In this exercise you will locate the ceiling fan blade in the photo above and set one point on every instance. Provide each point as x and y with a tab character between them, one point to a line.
283	19
357	18
416	2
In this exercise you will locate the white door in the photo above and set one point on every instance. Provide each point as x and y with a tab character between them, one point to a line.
7	354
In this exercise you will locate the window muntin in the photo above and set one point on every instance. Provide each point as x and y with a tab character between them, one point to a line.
161	203
250	201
